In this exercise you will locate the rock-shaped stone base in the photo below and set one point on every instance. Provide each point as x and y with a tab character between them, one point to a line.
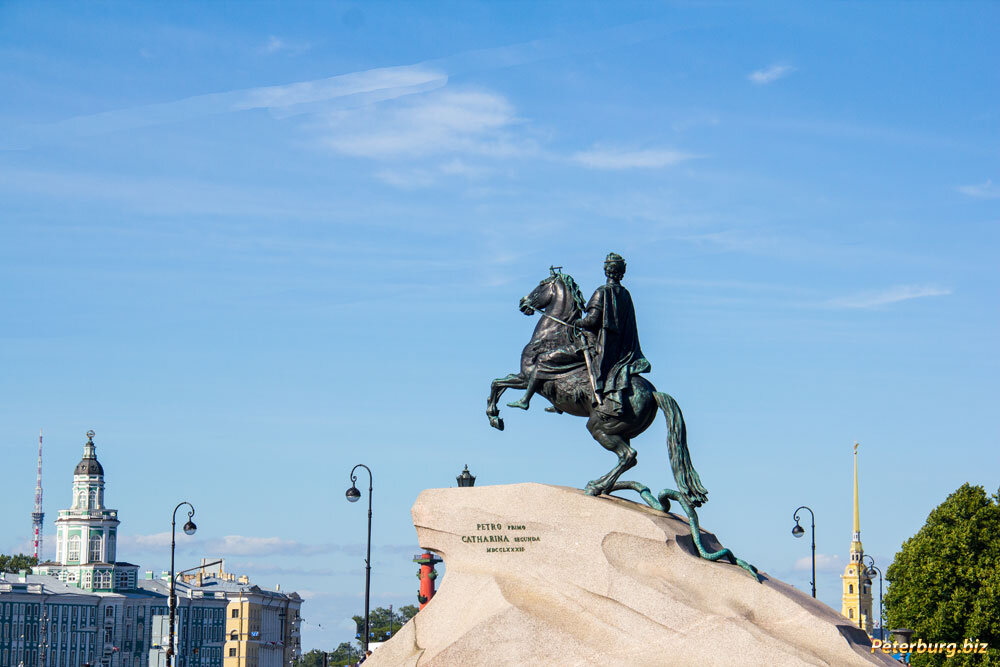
546	575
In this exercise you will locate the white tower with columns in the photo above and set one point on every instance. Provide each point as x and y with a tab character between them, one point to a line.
87	532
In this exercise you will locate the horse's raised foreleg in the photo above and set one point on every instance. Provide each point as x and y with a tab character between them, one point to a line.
620	446
497	388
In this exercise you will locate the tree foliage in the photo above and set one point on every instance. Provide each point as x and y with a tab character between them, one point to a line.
380	621
313	658
345	654
17	562
946	579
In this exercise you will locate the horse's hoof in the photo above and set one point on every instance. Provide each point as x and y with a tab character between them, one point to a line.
497	423
592	489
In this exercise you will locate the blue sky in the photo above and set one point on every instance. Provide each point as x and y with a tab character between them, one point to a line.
252	246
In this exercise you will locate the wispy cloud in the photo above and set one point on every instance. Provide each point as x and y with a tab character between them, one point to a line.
447	121
423	177
276	44
770	74
346	90
824	563
981	191
245	545
895	294
255	568
350	90
457	167
602	157
406	179
230	545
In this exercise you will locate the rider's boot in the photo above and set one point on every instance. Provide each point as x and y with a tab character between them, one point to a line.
526	399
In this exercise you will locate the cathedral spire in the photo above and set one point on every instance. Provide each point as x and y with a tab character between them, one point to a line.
856	603
856	535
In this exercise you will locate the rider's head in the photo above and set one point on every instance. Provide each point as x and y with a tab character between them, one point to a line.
614	266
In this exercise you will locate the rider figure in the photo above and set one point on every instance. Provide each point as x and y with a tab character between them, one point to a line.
610	317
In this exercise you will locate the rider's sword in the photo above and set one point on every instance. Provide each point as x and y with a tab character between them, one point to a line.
590	374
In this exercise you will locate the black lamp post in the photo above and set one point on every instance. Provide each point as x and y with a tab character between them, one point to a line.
798	531
871	573
353	495
466	478
189	529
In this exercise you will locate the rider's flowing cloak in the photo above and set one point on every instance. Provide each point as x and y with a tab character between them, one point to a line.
617	351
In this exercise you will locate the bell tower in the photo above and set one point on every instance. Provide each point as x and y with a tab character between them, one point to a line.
856	602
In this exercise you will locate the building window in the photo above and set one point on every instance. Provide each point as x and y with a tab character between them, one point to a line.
95	548
850	613
109	612
73	553
236	613
233	636
232	653
850	588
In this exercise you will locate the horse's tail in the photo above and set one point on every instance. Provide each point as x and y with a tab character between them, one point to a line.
685	475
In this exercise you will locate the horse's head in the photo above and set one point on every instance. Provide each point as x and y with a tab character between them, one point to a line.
556	294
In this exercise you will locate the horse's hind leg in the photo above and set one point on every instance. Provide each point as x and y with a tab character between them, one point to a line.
497	388
617	444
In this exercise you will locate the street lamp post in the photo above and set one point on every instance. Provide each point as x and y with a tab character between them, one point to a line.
189	529
352	496
797	531
871	573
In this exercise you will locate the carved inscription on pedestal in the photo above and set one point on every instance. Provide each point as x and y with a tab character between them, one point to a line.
501	537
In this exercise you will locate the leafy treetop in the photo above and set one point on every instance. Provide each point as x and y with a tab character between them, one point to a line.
17	562
946	579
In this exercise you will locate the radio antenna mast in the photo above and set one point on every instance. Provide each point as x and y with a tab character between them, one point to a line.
38	516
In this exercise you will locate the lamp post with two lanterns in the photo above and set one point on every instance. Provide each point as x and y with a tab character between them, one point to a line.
872	570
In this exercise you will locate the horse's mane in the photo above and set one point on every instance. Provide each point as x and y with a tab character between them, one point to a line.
574	289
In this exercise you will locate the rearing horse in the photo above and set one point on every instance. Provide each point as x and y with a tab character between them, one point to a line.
554	355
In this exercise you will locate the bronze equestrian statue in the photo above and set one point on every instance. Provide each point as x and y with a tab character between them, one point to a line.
586	360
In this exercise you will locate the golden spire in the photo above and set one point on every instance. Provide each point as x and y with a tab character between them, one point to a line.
856	536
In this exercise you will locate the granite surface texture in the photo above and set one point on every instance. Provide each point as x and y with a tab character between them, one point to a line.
547	575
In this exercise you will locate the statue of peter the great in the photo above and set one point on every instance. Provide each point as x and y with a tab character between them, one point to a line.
614	351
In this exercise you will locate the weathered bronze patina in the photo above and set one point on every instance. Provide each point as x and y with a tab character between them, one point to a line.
586	360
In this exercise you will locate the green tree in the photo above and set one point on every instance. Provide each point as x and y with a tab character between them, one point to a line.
946	579
380	621
345	654
17	562
313	658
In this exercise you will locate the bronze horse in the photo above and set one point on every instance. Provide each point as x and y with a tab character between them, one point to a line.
567	386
